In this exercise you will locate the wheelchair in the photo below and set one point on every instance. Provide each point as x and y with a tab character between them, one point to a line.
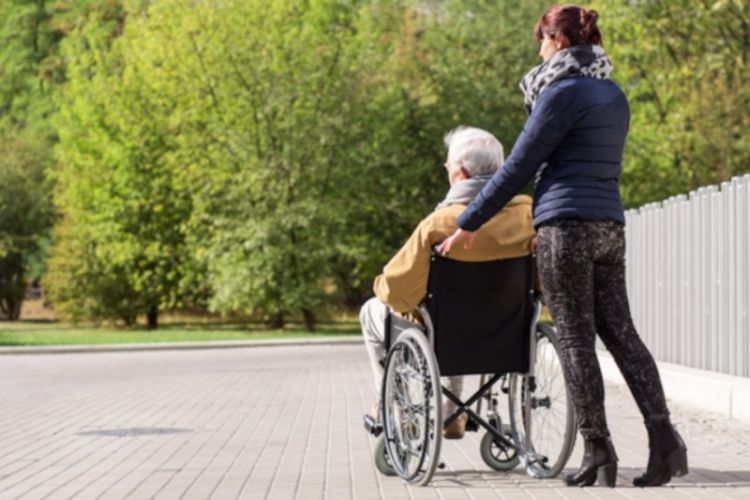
480	318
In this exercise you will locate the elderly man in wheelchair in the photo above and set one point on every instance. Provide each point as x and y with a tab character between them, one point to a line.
474	313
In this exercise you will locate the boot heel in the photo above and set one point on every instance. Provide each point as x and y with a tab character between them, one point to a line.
607	475
677	462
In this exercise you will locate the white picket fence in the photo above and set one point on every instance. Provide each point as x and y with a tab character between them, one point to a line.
688	277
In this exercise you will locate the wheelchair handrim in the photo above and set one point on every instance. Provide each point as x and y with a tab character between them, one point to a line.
527	419
411	358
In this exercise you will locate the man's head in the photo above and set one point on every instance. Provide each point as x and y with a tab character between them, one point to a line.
472	152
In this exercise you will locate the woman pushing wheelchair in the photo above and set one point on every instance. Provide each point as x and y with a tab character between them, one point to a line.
573	142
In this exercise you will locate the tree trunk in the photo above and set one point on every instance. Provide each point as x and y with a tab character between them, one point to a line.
277	321
4	309
152	318
10	309
15	312
309	319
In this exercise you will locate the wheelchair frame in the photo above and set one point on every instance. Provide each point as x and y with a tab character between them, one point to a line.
465	407
513	439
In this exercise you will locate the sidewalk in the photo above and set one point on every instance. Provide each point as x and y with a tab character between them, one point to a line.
280	422
179	346
725	394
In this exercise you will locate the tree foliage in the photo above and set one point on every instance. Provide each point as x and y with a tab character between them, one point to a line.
28	43
114	188
684	65
25	214
261	157
267	157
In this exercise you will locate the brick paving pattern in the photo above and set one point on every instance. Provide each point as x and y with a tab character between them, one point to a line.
276	422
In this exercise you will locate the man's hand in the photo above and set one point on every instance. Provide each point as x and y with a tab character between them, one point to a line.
458	237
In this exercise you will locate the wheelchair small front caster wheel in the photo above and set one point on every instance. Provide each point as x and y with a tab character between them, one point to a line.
497	456
382	462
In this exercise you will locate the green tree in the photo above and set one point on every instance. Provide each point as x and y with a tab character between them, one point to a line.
427	67
278	117
31	70
267	157
26	41
125	252
684	66
25	215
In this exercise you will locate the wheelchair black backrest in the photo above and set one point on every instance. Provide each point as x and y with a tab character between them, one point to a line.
481	313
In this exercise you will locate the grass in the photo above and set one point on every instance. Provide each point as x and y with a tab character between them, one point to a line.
176	329
45	333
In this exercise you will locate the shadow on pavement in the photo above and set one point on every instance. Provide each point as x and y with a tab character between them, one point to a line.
697	478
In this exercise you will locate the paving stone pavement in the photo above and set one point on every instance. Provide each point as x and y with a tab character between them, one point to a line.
276	422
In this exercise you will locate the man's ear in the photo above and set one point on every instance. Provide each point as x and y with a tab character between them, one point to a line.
466	173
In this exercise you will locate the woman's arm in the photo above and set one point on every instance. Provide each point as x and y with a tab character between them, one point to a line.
543	132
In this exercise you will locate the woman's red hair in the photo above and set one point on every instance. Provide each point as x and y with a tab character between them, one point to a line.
574	25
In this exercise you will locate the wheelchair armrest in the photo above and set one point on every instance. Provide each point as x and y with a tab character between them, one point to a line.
423	315
427	321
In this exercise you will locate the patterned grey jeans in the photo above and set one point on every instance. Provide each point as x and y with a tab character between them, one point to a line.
582	272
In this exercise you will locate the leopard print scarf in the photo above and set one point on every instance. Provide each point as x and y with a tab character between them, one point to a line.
579	60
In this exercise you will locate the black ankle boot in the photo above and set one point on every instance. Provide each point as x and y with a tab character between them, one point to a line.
599	461
667	456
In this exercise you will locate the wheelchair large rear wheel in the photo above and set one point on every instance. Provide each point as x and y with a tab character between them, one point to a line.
412	420
541	411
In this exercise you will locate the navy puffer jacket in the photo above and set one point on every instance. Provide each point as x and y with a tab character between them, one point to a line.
573	141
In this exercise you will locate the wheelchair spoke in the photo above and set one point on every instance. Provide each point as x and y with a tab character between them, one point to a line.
411	408
545	413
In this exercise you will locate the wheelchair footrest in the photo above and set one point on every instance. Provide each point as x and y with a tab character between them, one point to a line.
372	426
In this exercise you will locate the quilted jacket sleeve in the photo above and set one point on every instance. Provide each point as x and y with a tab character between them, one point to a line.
546	127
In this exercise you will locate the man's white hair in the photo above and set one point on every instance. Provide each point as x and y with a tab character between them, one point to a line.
478	151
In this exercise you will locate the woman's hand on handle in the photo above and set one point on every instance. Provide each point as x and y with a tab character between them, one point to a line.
457	238
533	244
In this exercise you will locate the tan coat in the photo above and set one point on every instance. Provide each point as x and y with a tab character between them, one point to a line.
403	284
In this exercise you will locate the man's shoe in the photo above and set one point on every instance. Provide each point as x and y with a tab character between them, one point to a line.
456	428
599	462
667	456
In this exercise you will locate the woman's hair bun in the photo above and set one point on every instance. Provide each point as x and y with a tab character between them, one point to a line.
589	31
576	24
